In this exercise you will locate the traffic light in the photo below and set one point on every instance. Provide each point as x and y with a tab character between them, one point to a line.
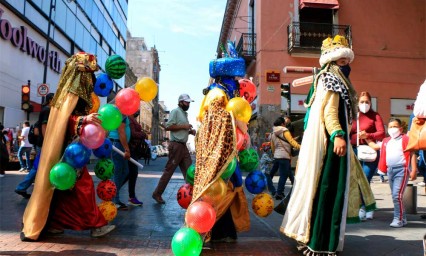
25	97
285	91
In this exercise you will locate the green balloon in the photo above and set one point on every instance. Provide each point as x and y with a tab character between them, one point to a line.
249	159
190	174
230	169
110	116
104	168
63	176
187	242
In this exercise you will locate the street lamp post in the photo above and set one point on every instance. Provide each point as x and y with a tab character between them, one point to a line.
46	62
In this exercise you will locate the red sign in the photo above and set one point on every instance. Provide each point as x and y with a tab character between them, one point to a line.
272	76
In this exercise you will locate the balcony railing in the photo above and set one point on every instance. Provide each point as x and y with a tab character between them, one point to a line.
246	47
307	37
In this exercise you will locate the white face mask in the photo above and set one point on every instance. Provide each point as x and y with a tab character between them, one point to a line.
364	107
394	132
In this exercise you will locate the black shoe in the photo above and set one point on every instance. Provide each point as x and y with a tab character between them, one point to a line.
24	194
121	206
158	198
279	196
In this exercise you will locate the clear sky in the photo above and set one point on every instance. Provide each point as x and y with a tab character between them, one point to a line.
185	33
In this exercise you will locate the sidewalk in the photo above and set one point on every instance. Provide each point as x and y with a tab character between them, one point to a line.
148	230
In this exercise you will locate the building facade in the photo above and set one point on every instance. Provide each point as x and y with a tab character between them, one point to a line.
34	50
145	62
277	38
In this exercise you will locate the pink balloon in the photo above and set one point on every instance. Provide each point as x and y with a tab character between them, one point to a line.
127	101
241	139
247	89
200	216
92	136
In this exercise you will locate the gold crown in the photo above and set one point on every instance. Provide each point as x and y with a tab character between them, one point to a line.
337	42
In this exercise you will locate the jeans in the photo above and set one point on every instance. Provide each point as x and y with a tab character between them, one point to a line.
121	169
283	165
398	179
133	176
27	152
30	177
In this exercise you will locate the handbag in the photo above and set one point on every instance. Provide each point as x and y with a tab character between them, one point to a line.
417	135
364	152
282	206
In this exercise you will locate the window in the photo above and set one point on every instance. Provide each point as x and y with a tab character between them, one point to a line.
314	21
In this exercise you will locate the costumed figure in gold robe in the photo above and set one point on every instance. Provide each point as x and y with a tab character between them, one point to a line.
329	182
75	208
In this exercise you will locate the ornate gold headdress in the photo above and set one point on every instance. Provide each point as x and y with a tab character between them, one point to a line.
335	48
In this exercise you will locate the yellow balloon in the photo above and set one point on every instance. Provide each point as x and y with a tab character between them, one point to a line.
147	88
214	93
215	193
240	108
95	103
262	204
108	210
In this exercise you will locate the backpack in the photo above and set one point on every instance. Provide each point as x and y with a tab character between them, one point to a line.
33	133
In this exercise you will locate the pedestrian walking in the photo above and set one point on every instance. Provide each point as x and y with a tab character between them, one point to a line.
180	129
43	117
394	161
25	148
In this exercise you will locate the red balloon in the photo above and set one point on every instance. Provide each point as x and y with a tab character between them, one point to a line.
92	136
247	89
200	216
127	101
106	190
184	195
240	139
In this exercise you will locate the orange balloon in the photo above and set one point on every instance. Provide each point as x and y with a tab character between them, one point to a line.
147	88
262	204
215	193
108	210
240	108
95	103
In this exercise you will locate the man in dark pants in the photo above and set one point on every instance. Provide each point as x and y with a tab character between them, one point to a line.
179	128
22	187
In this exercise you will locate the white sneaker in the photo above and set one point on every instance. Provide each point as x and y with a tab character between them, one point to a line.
22	169
362	215
421	184
404	222
397	223
369	215
102	231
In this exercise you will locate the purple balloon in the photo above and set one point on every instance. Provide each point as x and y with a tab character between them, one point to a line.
92	136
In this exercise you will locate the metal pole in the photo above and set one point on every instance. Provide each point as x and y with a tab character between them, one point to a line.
52	6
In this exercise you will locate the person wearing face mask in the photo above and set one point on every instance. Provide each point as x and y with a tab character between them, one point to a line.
371	128
394	161
179	128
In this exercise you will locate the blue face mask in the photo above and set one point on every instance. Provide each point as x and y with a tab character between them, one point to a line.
346	70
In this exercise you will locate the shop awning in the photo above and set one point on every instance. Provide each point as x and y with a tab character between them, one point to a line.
324	4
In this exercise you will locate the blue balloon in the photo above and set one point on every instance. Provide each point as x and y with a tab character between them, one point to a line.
103	85
77	155
232	86
255	182
105	150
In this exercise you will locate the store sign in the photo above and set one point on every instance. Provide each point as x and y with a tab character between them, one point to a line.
272	76
19	38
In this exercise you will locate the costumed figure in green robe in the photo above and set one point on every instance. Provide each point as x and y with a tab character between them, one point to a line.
329	182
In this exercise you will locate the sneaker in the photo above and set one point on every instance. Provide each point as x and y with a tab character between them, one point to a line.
369	215
397	223
158	198
362	214
26	170
279	196
121	206
102	231
134	201
24	194
421	184
22	169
